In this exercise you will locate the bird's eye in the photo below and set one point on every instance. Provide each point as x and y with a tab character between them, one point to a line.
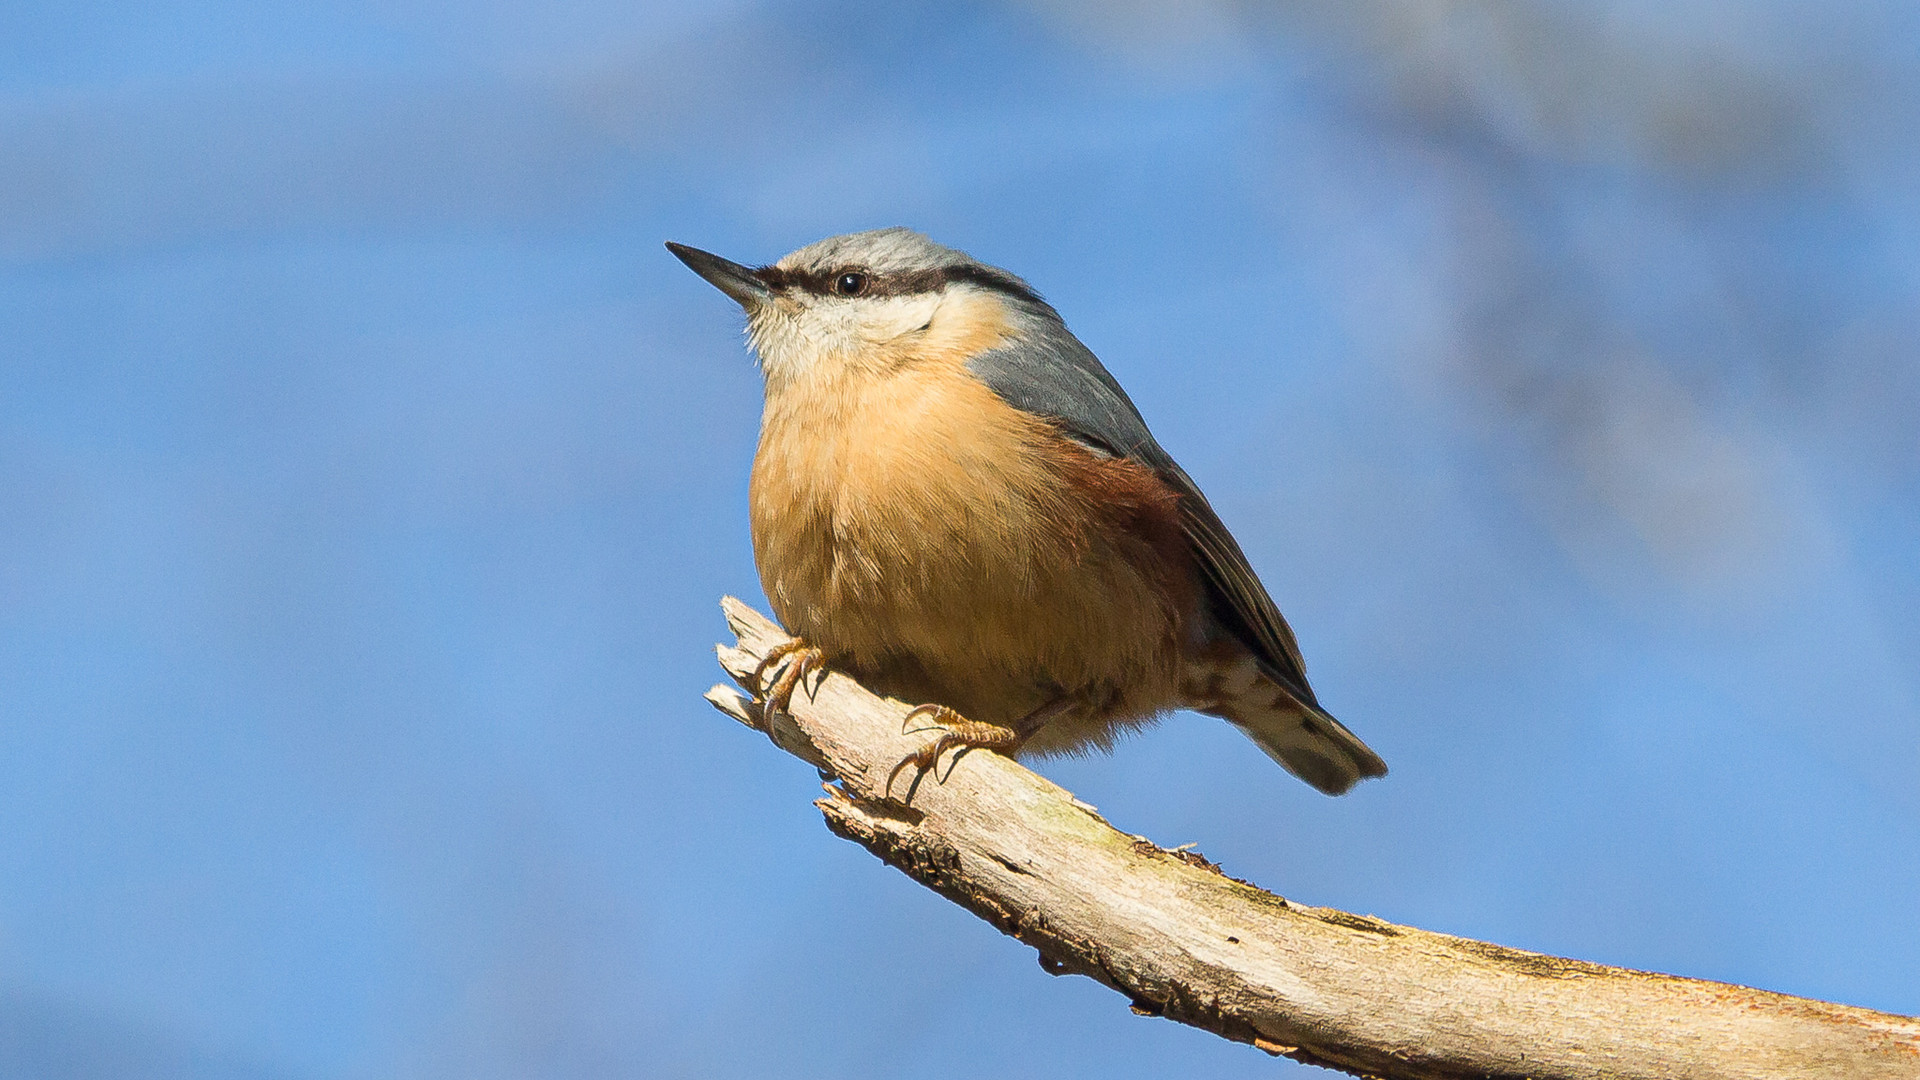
851	283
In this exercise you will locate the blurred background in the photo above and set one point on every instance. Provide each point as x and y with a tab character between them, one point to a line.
369	475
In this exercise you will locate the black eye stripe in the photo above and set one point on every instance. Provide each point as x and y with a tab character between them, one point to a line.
909	283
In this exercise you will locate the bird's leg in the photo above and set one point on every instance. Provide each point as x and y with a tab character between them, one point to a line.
955	730
958	731
801	660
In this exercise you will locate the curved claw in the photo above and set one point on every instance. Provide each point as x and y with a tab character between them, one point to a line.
940	713
774	656
802	660
956	731
922	759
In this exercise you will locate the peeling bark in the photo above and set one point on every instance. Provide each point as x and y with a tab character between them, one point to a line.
1182	940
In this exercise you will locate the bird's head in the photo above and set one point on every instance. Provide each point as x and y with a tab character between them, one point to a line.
867	302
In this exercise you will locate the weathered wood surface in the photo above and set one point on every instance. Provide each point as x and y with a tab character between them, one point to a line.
1346	991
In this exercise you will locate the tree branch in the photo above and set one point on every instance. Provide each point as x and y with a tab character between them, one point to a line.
1350	992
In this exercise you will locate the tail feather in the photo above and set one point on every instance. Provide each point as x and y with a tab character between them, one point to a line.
1303	738
1311	745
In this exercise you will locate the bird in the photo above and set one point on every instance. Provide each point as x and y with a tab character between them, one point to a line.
954	502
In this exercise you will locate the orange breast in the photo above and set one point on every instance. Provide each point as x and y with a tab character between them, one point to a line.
944	546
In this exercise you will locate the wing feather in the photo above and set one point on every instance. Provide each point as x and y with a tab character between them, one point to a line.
1046	371
1241	601
1049	373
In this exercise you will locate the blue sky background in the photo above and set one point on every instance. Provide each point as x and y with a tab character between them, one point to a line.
369	474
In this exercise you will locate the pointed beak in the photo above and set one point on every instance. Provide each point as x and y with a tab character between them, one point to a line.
724	274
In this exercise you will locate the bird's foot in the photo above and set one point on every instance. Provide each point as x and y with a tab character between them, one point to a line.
955	731
796	660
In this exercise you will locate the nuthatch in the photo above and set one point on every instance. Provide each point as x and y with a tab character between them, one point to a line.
954	502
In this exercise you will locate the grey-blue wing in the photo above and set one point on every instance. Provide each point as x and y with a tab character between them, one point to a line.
1049	373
